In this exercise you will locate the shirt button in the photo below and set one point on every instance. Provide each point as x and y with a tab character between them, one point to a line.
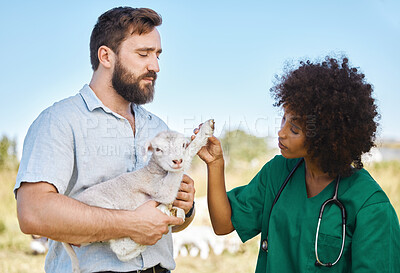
264	245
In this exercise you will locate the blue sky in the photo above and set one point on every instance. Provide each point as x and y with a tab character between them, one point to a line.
219	57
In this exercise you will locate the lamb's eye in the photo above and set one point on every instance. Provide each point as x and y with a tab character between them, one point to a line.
183	145
158	150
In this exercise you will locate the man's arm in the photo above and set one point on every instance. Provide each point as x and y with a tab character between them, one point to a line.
43	211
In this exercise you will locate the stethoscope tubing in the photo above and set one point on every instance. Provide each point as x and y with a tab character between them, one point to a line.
281	189
334	200
343	211
286	181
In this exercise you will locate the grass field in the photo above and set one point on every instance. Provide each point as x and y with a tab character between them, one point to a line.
16	257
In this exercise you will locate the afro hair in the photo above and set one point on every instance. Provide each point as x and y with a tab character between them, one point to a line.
335	107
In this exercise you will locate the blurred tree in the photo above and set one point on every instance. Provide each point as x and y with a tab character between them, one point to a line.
8	154
241	148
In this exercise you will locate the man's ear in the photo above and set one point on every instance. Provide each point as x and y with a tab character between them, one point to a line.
106	56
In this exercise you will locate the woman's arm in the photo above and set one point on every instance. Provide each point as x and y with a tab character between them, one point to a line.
376	240
218	203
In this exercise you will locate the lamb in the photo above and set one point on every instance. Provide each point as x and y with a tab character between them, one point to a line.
159	180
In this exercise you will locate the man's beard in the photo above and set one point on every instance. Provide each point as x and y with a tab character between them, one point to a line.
127	85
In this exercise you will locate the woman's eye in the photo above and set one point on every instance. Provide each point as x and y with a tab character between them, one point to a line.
294	131
142	54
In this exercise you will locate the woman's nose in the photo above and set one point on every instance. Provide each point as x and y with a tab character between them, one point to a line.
281	133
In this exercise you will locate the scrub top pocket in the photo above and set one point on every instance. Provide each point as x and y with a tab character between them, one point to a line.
328	251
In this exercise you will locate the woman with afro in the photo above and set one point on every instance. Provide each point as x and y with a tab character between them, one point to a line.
329	121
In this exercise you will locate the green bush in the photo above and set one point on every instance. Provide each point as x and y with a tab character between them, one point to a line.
241	148
2	227
8	154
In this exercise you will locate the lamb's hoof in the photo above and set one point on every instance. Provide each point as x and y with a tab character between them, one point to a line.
172	211
178	212
165	209
208	128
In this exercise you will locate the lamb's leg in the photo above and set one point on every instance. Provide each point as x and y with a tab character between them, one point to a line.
74	259
126	249
205	131
165	192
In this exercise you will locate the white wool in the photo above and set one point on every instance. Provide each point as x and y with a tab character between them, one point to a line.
159	180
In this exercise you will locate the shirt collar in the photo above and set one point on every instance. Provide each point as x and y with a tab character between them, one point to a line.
90	98
93	102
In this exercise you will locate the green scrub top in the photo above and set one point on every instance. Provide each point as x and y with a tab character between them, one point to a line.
372	229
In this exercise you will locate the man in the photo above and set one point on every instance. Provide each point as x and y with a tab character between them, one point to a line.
91	137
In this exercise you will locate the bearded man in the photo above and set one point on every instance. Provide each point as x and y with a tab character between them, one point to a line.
94	136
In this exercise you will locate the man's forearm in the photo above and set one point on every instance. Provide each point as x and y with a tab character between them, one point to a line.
44	212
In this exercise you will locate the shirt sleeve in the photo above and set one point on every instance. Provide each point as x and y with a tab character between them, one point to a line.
376	238
48	153
247	203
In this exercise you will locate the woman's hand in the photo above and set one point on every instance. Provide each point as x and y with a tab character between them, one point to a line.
212	152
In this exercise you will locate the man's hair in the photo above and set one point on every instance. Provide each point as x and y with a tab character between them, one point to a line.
335	106
115	25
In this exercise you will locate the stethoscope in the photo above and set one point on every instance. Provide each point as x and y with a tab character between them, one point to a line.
334	200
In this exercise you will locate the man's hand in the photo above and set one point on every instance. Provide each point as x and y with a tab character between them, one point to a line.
151	223
38	202
185	197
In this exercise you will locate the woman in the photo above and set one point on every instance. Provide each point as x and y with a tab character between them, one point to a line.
329	121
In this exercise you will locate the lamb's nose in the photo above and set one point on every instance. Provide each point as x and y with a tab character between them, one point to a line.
178	161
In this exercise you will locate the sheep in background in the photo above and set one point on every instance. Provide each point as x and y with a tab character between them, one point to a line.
199	238
196	240
39	245
159	180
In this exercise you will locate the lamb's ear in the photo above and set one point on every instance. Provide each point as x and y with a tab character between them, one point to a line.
147	149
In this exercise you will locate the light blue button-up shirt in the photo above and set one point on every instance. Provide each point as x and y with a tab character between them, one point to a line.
77	143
